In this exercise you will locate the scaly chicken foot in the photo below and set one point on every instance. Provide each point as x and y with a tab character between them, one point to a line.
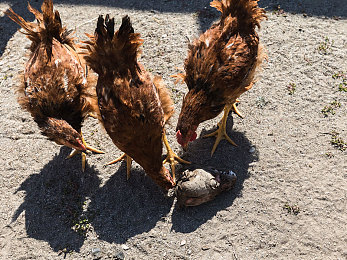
125	157
171	157
83	155
221	131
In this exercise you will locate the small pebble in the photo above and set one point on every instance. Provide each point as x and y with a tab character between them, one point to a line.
183	242
125	247
120	256
205	247
96	251
252	150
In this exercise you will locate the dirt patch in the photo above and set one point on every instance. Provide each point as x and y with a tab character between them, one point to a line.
290	197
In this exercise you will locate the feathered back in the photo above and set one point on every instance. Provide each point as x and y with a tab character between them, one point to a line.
113	52
246	11
48	26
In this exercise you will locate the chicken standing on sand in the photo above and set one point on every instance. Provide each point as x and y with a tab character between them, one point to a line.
55	88
220	66
133	107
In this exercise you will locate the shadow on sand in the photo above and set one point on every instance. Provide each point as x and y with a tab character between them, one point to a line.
226	158
327	8
127	208
205	14
54	202
124	209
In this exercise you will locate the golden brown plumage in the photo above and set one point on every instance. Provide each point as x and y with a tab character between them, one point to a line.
133	107
55	89
220	66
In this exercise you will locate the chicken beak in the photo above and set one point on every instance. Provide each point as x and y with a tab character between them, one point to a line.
81	147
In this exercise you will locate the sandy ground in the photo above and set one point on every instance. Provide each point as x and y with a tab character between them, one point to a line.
291	195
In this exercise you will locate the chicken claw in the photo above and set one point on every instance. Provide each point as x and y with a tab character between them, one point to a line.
236	110
84	156
171	157
221	131
127	159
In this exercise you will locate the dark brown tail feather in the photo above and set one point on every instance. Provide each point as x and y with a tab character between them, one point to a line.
246	11
49	26
110	51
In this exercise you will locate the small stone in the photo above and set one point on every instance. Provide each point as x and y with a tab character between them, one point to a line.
183	242
125	247
120	256
252	150
96	251
189	252
205	247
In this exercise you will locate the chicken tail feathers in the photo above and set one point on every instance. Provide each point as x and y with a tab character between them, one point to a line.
247	11
108	50
48	26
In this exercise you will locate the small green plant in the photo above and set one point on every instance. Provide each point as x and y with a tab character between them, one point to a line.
277	10
343	77
291	209
81	225
337	141
291	88
339	75
329	155
331	108
261	102
65	251
325	46
343	86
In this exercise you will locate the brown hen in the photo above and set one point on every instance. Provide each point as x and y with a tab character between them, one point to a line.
220	67
133	107
55	88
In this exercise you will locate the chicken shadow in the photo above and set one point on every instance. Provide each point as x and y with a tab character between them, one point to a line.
125	208
54	202
205	14
328	8
225	158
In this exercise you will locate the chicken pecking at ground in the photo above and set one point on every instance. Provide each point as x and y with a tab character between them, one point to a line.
133	107
55	88
220	66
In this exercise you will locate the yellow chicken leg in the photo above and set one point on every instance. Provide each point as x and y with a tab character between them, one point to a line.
171	157
127	159
221	131
89	148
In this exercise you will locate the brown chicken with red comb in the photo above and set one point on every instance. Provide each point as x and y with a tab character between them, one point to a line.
55	88
220	67
133	107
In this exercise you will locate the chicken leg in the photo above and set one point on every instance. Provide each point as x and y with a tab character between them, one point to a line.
125	157
171	157
221	131
89	148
